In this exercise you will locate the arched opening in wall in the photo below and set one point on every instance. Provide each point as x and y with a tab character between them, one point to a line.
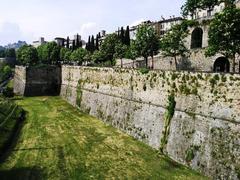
221	65
197	38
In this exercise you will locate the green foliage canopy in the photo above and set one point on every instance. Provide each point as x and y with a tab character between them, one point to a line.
172	44
27	55
224	36
146	43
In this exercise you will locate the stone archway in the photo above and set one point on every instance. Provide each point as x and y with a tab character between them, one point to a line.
197	38
221	64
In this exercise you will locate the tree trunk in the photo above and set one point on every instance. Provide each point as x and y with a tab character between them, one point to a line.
234	64
175	59
146	61
152	63
121	63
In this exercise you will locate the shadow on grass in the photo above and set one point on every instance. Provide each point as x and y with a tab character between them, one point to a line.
11	143
29	173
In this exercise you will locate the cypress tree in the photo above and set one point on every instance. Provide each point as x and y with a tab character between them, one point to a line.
97	42
88	44
80	43
73	45
122	35
77	43
118	33
67	43
92	44
127	37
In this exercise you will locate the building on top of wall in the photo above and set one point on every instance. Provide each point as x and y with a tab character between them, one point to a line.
197	42
40	42
63	42
161	27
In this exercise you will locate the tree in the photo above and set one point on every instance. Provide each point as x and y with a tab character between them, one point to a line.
10	53
73	45
78	55
63	52
67	56
127	37
88	45
147	42
224	36
172	44
92	44
49	53
108	47
77	43
97	42
67	46
120	51
190	7
2	53
122	33
27	55
98	57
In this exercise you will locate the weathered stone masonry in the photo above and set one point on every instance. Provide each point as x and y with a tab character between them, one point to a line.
203	133
33	81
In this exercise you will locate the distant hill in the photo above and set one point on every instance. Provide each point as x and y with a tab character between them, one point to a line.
16	45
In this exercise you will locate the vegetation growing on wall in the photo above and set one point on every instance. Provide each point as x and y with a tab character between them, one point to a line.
79	92
167	120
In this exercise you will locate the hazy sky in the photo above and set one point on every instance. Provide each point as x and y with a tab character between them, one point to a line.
30	19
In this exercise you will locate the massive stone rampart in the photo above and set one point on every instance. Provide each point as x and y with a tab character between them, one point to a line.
37	81
204	132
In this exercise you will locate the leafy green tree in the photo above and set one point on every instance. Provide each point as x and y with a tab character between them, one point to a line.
27	55
224	36
49	53
120	51
190	7
147	42
88	57
78	55
172	44
11	53
63	52
98	57
67	56
2	53
5	72
108	47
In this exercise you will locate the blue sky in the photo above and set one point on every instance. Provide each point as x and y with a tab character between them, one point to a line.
30	19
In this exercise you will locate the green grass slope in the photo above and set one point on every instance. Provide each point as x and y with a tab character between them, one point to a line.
59	142
10	117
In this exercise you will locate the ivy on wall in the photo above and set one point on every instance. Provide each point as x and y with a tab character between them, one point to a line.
170	110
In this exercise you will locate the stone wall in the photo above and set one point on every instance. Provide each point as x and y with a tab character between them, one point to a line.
196	61
204	132
37	81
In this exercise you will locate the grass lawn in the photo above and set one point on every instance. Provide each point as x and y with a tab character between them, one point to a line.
59	142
